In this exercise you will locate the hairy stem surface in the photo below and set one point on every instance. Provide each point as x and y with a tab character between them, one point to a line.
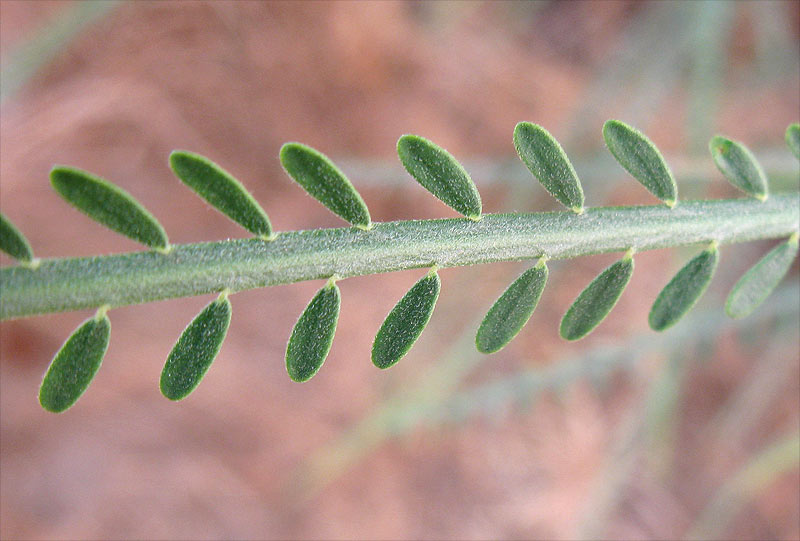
193	269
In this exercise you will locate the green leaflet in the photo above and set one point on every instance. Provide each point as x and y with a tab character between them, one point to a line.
221	191
196	349
312	335
684	290
405	322
793	139
739	166
439	172
548	162
758	282
75	364
109	205
596	301
325	182
13	242
512	310
640	157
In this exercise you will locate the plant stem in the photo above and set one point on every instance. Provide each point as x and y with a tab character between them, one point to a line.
194	269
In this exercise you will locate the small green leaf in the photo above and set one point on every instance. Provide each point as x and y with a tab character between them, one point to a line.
221	191
756	284
739	166
196	349
596	301
548	162
405	322
793	139
312	335
439	172
75	364
325	182
640	157
684	290
13	242
110	205
512	310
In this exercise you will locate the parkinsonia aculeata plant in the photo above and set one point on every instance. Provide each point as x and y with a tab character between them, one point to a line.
269	258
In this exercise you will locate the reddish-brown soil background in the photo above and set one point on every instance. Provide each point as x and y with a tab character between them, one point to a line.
234	81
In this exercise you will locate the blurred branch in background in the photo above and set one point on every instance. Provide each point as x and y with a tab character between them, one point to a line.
707	58
640	73
436	400
647	442
49	41
773	37
775	459
669	41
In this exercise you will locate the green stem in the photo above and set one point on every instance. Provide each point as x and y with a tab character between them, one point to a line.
194	269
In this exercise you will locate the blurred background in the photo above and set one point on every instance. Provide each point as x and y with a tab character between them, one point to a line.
626	434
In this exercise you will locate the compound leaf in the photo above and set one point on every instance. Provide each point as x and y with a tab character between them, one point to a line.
108	204
548	162
196	349
512	310
75	364
739	166
596	301
640	157
757	283
325	182
406	321
441	174
793	139
221	190
312	335
684	290
13	242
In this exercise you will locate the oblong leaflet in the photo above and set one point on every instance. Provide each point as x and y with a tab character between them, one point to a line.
404	324
548	162
196	349
318	175
13	242
512	310
640	157
75	364
756	284
793	139
221	190
596	300
684	290
108	204
312	335
440	173
739	166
